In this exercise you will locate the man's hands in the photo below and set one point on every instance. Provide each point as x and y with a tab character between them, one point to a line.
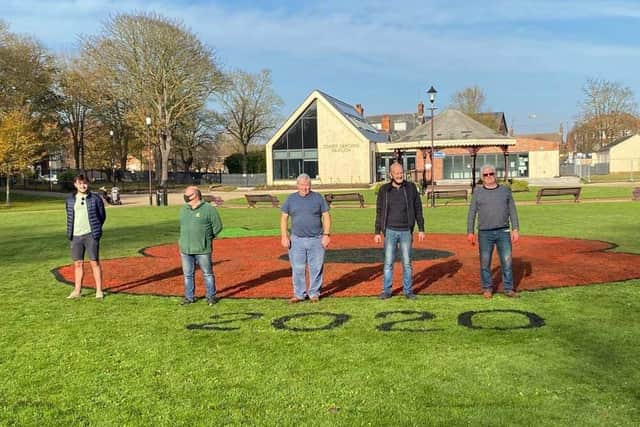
285	242
377	238
515	236
471	238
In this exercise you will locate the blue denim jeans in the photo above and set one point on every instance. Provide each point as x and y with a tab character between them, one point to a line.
393	239
188	269
306	250
500	238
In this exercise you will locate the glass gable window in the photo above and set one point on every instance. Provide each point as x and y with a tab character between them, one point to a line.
296	151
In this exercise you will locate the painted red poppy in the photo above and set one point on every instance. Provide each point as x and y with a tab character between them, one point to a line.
257	267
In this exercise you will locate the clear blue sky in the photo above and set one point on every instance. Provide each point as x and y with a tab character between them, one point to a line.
531	58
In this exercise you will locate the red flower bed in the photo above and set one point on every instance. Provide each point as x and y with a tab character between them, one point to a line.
257	267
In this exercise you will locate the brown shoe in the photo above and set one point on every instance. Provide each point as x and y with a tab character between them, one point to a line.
295	300
314	299
487	294
511	294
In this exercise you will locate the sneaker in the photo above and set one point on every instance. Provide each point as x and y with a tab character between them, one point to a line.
314	299
212	300
511	294
186	301
100	295
385	295
411	296
294	300
487	294
74	295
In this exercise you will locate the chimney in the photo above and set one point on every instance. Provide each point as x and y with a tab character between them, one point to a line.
420	109
360	109
386	123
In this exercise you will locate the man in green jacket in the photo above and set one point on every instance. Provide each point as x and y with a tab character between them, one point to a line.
199	225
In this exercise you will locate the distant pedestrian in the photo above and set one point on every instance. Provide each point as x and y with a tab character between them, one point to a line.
85	217
199	225
398	209
496	211
310	236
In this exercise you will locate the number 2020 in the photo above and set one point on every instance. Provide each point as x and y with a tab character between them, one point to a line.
231	321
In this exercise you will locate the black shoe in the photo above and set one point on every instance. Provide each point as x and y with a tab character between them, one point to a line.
186	301
385	295
411	296
212	300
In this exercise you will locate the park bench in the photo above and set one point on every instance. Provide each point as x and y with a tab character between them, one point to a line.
344	197
559	191
252	199
448	193
635	194
216	200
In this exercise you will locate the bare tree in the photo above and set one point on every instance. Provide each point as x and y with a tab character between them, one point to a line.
74	108
607	112
250	108
159	67
469	100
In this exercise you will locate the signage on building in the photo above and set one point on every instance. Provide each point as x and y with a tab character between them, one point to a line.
439	155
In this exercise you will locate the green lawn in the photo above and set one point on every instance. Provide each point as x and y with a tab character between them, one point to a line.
145	360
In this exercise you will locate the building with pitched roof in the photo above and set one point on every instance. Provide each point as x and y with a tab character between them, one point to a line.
332	142
622	155
327	139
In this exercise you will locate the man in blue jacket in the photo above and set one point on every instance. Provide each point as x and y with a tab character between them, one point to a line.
199	225
85	216
398	209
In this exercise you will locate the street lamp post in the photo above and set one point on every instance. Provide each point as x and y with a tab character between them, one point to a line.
113	158
432	99
147	122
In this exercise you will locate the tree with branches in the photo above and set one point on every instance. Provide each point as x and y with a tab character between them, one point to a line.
249	109
469	100
159	67
608	111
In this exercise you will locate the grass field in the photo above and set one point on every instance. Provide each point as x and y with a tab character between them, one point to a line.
144	360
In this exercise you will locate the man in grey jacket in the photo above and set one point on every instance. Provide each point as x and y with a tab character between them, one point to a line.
496	210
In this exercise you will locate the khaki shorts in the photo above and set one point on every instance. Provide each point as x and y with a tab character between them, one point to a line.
86	242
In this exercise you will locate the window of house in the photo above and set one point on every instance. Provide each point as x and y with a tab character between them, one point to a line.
400	126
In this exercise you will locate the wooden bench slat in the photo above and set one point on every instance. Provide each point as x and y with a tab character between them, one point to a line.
344	197
559	191
447	193
252	199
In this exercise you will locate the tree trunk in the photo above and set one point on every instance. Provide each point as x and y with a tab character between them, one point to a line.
245	155
8	198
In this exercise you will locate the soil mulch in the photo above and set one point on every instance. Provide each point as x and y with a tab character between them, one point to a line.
258	267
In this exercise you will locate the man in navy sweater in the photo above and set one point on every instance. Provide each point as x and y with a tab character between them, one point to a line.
85	216
496	210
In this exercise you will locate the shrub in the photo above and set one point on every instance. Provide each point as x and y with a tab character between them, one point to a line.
518	185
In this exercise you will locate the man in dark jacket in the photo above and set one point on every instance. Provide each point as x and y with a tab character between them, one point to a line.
85	216
398	208
199	225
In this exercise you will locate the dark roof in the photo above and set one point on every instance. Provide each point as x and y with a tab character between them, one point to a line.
452	125
495	121
359	122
